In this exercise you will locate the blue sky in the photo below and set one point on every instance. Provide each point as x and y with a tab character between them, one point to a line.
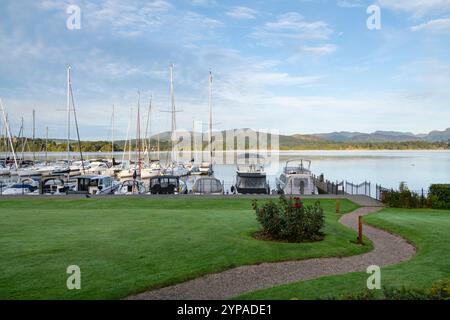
298	66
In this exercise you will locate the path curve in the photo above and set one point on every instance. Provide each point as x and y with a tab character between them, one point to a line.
388	249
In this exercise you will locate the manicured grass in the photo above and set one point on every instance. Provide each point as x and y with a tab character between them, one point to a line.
128	245
428	230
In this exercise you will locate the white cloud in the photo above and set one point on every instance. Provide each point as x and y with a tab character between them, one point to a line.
134	16
204	3
292	27
417	7
242	13
350	3
268	79
437	25
319	50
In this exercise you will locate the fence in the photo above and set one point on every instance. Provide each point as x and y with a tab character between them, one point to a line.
328	187
358	189
380	191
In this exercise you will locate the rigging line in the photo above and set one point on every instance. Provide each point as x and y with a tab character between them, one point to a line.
76	126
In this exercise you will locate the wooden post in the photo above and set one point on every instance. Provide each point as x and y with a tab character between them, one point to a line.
338	205
360	230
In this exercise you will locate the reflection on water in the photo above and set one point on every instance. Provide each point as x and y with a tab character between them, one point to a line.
388	168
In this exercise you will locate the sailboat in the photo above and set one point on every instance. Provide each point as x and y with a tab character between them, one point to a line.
63	167
174	168
113	167
15	165
208	184
133	171
151	167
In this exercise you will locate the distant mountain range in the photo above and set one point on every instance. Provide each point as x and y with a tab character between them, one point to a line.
384	136
353	137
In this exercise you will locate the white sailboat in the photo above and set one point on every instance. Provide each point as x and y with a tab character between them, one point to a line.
174	168
151	168
208	184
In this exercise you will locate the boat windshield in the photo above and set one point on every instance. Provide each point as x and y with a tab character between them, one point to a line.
297	166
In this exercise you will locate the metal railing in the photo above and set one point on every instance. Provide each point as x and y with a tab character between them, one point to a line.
363	188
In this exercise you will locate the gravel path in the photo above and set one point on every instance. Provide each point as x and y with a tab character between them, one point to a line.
388	249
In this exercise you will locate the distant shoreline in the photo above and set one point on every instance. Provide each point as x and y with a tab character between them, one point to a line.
41	154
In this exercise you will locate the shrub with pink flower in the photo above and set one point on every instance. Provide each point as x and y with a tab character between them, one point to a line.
290	220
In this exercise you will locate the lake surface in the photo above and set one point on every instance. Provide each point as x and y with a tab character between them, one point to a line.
418	169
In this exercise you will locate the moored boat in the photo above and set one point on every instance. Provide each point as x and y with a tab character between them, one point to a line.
296	179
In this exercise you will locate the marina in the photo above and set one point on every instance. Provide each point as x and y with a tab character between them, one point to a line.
386	168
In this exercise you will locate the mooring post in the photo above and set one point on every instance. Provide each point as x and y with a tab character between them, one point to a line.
338	205
360	230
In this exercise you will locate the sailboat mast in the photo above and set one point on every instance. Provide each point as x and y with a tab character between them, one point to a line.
68	113
34	135
8	133
158	148
148	139
139	134
210	117
112	133
194	140
72	100
46	145
174	123
23	140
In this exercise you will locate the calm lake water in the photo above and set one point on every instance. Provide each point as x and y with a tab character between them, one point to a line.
418	169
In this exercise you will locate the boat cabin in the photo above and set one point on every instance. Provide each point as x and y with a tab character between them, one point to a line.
92	184
167	185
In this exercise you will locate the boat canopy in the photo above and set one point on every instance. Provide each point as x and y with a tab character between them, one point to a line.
208	185
297	166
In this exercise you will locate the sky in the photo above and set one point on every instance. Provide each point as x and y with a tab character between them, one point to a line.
297	66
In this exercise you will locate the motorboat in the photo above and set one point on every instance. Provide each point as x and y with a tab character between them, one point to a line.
92	184
128	187
98	167
296	178
80	165
208	185
151	170
167	184
251	179
54	186
25	187
28	172
4	171
177	169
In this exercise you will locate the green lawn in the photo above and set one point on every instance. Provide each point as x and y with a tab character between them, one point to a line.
428	230
127	245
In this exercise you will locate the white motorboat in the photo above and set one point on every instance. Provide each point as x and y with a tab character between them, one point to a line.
54	186
4	171
177	170
97	167
128	187
25	187
28	172
296	179
92	184
79	165
152	170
